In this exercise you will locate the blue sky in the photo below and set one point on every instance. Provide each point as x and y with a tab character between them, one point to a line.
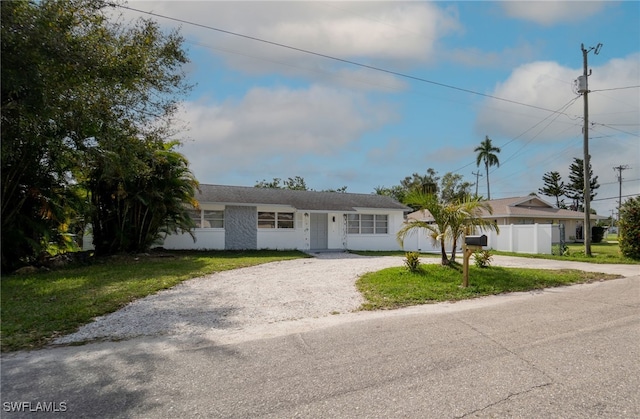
260	111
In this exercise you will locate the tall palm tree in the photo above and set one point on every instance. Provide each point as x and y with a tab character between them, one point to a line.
437	230
487	153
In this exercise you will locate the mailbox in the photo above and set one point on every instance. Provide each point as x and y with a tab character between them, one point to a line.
476	240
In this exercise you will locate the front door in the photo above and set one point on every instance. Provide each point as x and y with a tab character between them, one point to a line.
319	231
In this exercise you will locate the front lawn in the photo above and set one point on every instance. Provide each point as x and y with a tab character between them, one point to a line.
39	307
397	287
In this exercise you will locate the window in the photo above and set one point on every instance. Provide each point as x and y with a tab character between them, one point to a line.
213	219
196	216
367	223
207	218
285	220
275	219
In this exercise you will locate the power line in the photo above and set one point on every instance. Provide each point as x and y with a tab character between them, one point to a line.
616	197
330	57
614	88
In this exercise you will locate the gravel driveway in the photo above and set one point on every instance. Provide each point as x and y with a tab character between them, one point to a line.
267	300
242	299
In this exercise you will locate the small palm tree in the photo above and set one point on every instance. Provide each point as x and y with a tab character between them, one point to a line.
464	216
487	153
437	230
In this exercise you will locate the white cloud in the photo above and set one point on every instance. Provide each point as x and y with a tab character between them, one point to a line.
550	12
549	85
275	128
377	33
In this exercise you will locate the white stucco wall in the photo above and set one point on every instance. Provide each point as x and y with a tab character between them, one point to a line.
206	239
378	241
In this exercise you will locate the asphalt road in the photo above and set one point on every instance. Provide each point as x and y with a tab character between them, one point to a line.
569	352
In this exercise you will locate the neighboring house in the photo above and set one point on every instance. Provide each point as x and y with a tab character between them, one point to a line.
534	210
237	217
529	210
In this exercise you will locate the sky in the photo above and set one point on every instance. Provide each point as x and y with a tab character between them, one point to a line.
362	94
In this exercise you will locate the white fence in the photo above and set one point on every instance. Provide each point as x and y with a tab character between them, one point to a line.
525	238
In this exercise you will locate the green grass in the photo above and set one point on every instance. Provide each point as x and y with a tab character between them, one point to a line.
604	252
397	287
39	307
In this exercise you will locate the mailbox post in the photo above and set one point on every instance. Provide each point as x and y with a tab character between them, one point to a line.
471	244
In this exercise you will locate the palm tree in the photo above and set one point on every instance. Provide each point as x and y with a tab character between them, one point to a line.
464	216
487	154
437	231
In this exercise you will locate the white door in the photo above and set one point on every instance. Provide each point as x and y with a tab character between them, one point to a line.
319	231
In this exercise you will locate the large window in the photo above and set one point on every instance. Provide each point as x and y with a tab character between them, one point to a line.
367	223
207	218
268	219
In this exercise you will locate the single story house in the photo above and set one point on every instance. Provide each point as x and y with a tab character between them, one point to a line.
237	217
527	225
529	209
532	209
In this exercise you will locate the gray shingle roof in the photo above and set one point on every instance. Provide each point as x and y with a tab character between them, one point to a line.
301	200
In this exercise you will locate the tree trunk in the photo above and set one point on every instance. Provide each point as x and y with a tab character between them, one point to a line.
443	251
486	165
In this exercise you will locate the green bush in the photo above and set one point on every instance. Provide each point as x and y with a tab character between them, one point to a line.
630	228
412	261
482	258
559	250
597	234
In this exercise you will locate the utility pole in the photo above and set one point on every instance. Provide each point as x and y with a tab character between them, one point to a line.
620	169
583	87
478	174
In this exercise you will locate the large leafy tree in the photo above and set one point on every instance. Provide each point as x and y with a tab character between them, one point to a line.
75	84
575	187
555	187
487	154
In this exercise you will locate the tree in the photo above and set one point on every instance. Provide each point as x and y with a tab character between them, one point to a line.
438	230
130	213
464	216
487	153
453	188
296	183
575	187
427	183
74	82
554	186
630	228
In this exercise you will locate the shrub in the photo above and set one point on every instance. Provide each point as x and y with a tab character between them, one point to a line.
630	228
560	250
412	261
482	258
597	234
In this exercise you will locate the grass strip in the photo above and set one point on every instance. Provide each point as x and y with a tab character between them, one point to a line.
397	287
39	307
